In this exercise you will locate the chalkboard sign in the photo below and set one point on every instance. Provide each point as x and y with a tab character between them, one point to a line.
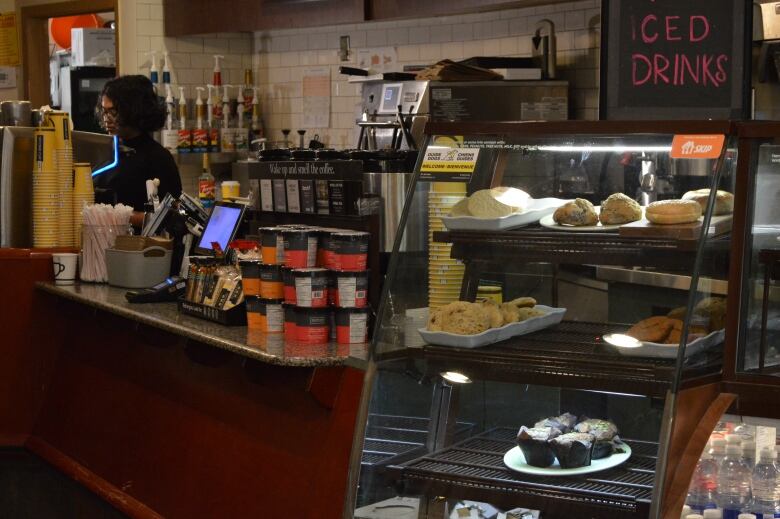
675	59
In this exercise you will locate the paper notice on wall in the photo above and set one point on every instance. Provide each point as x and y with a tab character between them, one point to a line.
380	59
316	97
7	77
9	41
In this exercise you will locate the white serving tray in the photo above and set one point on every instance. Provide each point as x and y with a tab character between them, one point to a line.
552	317
537	208
515	460
669	351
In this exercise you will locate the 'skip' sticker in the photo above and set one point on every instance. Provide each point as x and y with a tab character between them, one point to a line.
697	146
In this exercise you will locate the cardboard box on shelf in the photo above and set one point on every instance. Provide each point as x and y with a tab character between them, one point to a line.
93	47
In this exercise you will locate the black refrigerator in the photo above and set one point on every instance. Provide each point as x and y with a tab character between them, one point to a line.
80	89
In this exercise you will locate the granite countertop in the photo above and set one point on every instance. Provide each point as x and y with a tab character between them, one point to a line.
269	348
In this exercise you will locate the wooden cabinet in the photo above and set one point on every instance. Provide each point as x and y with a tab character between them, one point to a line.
400	9
188	17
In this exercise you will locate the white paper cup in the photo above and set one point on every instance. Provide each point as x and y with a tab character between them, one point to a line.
65	264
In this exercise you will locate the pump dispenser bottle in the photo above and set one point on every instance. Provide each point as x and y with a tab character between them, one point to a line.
241	133
166	71
185	135
256	125
228	139
212	120
170	135
200	135
153	73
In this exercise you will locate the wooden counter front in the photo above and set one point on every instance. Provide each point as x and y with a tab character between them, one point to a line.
163	425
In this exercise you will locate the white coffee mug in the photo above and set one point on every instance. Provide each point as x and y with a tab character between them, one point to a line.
65	264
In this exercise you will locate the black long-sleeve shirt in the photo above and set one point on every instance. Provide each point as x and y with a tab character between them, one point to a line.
141	159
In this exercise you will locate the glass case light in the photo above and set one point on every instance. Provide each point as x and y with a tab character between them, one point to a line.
622	341
455	377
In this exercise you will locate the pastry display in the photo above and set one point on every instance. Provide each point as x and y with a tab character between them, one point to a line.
604	432
496	202
464	318
668	212
724	201
573	449
577	213
535	444
709	315
618	209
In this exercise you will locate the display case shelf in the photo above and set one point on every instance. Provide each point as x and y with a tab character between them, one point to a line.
603	248
570	354
474	469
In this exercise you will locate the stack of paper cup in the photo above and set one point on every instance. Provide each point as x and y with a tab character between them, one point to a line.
83	194
63	154
445	275
45	189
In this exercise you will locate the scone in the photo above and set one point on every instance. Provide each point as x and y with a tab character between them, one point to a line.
496	317
724	201
510	313
714	309
618	208
579	212
464	318
675	333
523	302
461	208
667	212
677	313
527	313
434	320
652	329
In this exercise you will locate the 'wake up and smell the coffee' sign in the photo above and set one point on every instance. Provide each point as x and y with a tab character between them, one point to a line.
672	59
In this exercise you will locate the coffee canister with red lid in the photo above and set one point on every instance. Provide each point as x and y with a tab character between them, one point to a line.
271	245
311	287
350	250
313	325
300	247
288	280
350	289
271	286
352	325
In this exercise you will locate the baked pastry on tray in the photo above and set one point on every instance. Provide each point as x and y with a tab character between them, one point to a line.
577	213
618	209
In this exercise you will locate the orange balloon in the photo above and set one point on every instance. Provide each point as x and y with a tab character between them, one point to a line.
60	27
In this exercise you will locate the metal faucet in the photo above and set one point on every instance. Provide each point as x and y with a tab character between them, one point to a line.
647	181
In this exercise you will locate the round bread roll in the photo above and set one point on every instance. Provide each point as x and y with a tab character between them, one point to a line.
673	211
492	308
724	201
618	208
461	208
579	212
497	202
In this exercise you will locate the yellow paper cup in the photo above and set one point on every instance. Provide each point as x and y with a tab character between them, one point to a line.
44	149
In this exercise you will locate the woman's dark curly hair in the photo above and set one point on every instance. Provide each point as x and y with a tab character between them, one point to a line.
136	103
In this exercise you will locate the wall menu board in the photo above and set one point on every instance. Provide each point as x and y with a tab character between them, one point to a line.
673	59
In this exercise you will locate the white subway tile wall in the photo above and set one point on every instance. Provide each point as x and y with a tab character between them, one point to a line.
191	60
281	56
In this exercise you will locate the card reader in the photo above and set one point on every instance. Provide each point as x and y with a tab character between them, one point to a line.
169	290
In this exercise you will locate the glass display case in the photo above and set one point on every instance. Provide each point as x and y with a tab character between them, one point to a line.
759	351
523	309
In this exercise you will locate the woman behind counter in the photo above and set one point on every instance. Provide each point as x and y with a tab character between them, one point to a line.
130	109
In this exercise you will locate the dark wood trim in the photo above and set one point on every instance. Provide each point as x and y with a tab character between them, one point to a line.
563	128
754	397
82	475
736	260
698	410
13	440
35	37
758	129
